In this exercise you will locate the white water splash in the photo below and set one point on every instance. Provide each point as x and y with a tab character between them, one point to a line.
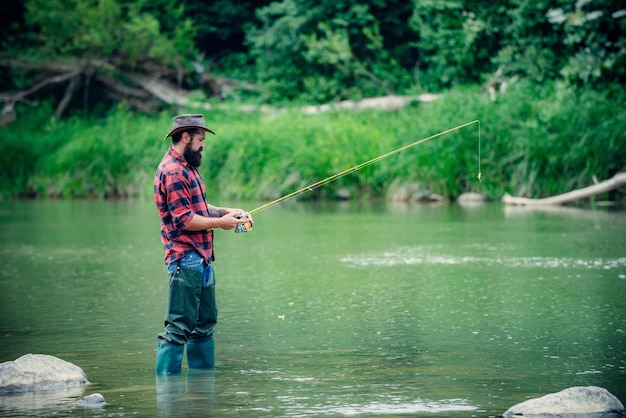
381	408
418	255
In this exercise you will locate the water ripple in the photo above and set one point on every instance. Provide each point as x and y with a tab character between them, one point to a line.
410	256
403	408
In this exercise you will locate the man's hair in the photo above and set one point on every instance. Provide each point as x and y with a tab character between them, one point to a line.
178	135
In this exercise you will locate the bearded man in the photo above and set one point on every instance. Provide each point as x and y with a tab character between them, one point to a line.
187	224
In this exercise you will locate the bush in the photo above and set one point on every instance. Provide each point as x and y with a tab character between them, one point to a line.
534	142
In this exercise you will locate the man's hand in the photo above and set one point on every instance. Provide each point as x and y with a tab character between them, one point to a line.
237	216
230	220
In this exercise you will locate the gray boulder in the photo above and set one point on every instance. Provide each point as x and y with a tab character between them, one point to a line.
578	401
33	372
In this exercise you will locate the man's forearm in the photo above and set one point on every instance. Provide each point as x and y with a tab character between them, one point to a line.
200	223
224	218
216	212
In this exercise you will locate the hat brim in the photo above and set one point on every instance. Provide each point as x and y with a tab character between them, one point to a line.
185	128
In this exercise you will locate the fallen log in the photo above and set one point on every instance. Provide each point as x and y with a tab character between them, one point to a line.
387	103
165	91
616	181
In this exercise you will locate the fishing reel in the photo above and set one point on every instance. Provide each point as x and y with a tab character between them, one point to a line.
244	226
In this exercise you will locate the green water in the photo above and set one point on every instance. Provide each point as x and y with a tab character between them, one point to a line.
333	310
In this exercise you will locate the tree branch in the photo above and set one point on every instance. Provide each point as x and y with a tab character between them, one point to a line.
12	97
69	93
605	186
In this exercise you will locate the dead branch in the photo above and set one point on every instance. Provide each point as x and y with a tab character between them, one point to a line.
605	186
67	97
159	88
137	90
165	91
11	98
8	114
37	66
134	97
222	86
122	89
16	96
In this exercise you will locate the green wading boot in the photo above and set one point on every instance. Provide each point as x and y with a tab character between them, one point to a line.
201	354
169	358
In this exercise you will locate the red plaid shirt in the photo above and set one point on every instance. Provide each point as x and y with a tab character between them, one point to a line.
179	193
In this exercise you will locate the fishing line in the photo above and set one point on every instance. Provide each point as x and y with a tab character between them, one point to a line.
479	172
246	226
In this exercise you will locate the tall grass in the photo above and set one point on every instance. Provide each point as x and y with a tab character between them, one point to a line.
535	142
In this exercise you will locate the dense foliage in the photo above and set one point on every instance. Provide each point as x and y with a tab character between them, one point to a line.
534	142
559	123
324	50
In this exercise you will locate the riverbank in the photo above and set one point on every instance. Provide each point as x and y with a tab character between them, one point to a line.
533	143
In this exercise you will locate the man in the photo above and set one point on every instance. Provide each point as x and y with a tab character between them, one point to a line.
187	224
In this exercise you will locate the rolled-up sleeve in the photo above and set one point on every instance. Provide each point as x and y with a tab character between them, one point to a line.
179	201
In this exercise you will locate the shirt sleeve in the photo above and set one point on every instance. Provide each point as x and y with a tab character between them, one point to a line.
179	199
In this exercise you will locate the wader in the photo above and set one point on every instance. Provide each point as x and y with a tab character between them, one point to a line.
190	317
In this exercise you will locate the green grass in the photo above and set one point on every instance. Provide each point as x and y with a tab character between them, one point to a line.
535	142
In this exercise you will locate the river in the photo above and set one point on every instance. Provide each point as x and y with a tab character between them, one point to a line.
337	309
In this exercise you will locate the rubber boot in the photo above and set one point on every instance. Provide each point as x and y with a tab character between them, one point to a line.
169	358
201	354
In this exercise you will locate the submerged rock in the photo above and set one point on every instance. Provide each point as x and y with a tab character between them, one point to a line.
471	199
578	401
93	400
343	194
33	372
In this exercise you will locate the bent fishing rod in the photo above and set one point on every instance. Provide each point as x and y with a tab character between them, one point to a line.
246	226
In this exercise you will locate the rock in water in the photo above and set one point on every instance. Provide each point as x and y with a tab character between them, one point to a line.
573	401
93	400
469	197
33	372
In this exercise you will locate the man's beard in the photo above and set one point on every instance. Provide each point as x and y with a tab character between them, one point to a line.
193	158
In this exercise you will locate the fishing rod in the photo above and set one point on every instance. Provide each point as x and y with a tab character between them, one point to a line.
246	226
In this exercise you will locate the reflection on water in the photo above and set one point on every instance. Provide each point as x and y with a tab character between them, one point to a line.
42	402
187	395
195	395
325	310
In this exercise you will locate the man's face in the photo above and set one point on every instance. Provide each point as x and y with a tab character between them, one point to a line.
193	149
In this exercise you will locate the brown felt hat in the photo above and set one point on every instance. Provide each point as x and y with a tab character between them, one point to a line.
183	122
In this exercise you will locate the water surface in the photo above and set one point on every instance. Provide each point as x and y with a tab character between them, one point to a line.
325	310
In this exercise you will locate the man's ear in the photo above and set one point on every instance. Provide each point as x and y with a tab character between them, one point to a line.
186	137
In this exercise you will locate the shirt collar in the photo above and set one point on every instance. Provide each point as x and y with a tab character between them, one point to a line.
180	159
176	155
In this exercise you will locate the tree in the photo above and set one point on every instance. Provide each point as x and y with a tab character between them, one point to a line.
332	49
101	48
595	41
464	41
100	52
